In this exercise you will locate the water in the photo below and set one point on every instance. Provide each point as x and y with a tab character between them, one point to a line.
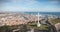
45	13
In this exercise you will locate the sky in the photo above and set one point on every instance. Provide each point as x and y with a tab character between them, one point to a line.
30	5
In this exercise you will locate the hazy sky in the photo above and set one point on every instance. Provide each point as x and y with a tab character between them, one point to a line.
30	5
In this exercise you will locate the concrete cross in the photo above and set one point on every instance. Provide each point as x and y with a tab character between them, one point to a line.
38	24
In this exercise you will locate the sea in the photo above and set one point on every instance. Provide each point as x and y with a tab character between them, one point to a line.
45	13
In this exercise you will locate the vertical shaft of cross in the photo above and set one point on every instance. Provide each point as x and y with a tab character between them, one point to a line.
38	23
38	17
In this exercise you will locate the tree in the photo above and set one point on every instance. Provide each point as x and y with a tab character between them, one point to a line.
4	28
23	28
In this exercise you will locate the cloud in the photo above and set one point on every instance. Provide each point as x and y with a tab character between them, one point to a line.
15	0
3	1
24	9
29	5
21	2
54	2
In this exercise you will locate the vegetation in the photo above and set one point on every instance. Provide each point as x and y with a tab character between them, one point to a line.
5	28
24	27
54	21
42	27
59	29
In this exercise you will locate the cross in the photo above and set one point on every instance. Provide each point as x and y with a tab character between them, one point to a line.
38	24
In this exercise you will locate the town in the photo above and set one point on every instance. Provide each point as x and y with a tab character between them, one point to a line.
13	22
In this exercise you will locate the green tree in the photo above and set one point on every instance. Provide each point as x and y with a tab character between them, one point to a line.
4	28
23	28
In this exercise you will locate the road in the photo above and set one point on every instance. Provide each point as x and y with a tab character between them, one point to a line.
53	28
